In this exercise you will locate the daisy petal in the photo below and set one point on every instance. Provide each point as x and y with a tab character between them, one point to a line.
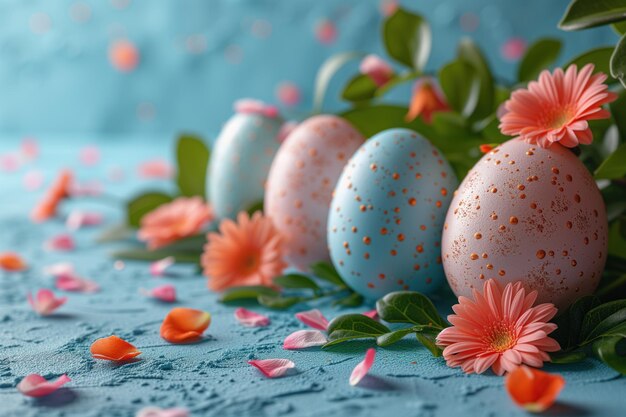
162	412
363	367
165	293
250	318
44	303
183	325
533	389
159	268
113	348
35	385
313	318
303	339
273	368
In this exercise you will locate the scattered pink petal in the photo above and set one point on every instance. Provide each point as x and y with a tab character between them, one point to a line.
250	318
326	31
155	169
288	93
313	318
363	367
513	49
165	293
162	412
35	385
86	189
388	7
377	69
123	55
44	302
63	242
116	173
59	269
29	148
89	155
33	180
251	106
9	162
78	219
75	283
286	129
303	339
159	268
372	314
273	368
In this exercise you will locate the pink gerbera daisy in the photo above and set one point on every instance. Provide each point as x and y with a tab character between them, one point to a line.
557	107
183	217
249	252
499	329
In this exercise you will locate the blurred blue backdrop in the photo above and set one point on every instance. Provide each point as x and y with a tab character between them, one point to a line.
195	57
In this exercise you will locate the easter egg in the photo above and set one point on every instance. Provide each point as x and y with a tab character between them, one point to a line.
529	214
387	214
240	161
301	183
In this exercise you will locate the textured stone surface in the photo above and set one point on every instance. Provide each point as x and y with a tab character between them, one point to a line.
212	378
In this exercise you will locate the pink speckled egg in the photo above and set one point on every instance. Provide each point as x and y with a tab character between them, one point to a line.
301	182
529	214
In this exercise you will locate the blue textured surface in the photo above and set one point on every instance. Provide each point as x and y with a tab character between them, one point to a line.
198	56
212	378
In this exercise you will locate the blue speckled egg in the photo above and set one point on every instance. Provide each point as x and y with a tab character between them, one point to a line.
240	162
387	215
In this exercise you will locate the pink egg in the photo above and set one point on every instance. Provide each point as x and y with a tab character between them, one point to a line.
301	182
527	214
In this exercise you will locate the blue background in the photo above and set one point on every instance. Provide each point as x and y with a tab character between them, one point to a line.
198	56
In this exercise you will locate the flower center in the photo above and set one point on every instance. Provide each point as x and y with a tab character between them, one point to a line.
250	263
557	117
500	337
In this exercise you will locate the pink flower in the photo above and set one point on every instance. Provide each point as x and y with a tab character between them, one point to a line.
74	283
251	106
377	69
35	385
557	107
162	412
44	303
165	293
363	367
313	318
159	268
249	252
173	221
288	93
62	242
303	339
251	319
273	368
498	329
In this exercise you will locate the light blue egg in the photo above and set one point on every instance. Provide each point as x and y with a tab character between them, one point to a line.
387	214
240	162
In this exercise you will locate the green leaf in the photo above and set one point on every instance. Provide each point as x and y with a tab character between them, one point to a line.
360	88
258	206
567	357
599	57
352	300
325	74
296	281
247	293
582	14
328	273
461	84
601	318
393	337
407	38
409	307
619	27
370	120
606	349
613	167
618	114
355	326
116	233
192	157
570	322
278	302
341	336
144	204
491	132
428	339
155	255
451	125
613	325
618	61
539	56
470	53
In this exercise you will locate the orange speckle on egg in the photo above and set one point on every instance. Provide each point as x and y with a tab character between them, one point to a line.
423	227
540	254
474	256
478	236
438	203
400	237
412	201
362	207
444	192
393	252
395	176
367	240
419	248
373	167
418	176
513	220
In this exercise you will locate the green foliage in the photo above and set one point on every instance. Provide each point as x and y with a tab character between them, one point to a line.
599	57
296	281
614	166
407	38
582	14
359	89
618	61
540	55
354	326
327	272
373	119
409	307
471	54
192	156
461	85
251	292
326	73
141	205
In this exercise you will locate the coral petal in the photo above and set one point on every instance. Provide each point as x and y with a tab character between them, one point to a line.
303	339
363	367
533	389
10	261
44	303
159	268
250	318
372	314
165	293
273	368
162	412
35	385
74	283
113	348
62	242
183	325
313	318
